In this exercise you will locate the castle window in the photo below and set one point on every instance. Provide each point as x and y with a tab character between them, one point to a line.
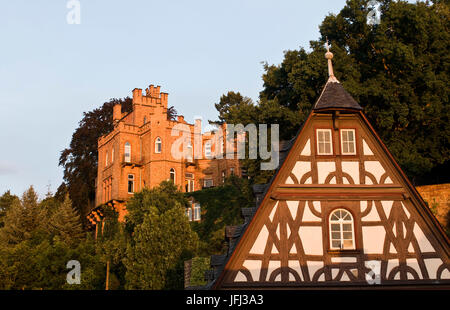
189	213
189	182
324	142
158	145
112	155
189	152
208	183
342	236
231	171
197	212
127	152
106	159
208	149
348	144
145	120
223	176
130	183
172	175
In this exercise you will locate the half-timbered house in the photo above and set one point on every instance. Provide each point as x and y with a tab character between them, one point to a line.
339	212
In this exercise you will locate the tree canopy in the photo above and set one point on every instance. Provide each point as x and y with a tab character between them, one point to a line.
397	70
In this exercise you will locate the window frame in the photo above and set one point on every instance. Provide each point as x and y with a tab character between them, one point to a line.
341	142
341	230
208	149
132	183
158	145
205	180
126	158
172	172
195	209
189	213
317	130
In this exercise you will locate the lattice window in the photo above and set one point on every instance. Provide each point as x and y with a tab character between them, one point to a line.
324	142
158	145
127	152
348	142
342	236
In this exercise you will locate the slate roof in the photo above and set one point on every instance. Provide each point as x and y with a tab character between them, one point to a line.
335	96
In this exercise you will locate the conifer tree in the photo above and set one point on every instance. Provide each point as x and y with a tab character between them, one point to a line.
65	223
23	220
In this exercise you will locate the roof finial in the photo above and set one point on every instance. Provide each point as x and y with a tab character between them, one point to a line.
329	56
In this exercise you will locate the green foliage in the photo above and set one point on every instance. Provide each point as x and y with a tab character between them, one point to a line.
221	206
38	240
162	239
198	268
398	71
6	201
80	159
65	223
24	220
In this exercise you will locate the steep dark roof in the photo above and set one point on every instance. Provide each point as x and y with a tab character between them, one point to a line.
335	96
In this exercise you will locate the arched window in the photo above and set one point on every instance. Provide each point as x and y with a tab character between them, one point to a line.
342	235
127	152
106	159
172	175
158	145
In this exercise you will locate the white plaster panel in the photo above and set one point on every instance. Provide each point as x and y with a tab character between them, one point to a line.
424	243
300	168
352	168
307	149
260	242
311	237
324	168
375	168
373	239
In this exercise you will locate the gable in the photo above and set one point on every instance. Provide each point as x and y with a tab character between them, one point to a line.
289	242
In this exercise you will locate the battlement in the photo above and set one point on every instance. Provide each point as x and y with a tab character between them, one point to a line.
153	95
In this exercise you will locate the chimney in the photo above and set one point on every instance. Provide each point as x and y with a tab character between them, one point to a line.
117	112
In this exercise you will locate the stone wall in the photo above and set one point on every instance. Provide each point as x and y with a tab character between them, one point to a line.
438	198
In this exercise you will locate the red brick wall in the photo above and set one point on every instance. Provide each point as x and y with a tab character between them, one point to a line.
438	198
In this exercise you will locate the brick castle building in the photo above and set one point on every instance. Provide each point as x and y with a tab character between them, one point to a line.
138	153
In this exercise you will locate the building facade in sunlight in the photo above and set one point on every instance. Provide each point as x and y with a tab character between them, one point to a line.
139	154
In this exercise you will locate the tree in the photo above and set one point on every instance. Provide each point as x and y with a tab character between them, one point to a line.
66	224
161	238
80	159
6	201
221	206
24	220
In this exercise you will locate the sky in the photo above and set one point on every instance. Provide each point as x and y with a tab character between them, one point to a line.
51	71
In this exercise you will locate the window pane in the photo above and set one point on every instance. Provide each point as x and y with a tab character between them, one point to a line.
327	148
351	148
336	244
348	244
347	227
350	135
335	235
327	136
345	147
320	136
348	235
321	148
335	227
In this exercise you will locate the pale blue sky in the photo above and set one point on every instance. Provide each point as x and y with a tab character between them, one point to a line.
51	72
